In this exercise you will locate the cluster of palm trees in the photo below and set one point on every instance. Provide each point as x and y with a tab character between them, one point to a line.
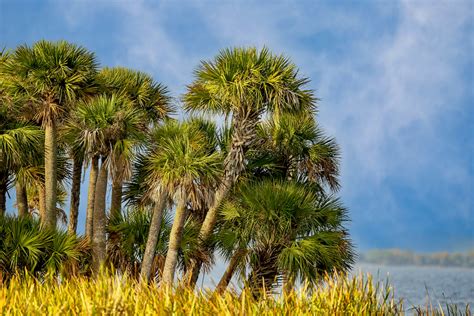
257	188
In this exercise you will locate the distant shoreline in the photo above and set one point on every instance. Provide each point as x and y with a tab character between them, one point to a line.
397	257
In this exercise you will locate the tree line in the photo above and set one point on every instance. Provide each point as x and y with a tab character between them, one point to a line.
259	188
405	257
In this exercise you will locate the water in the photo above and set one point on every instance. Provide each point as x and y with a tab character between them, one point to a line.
419	285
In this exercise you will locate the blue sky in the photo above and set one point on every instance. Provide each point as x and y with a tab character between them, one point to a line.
395	81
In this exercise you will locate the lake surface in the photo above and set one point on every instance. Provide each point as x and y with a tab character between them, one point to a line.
418	285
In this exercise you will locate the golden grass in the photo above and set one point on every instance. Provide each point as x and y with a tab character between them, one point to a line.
114	295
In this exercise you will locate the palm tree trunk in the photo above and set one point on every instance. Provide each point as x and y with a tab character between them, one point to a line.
229	272
91	196
21	199
41	201
3	192
99	221
50	169
175	242
264	272
75	194
243	136
153	235
116	200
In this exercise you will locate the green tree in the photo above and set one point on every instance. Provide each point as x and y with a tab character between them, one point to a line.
243	83
110	127
48	77
184	164
284	230
144	94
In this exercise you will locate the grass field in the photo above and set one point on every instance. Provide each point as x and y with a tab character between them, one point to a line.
118	295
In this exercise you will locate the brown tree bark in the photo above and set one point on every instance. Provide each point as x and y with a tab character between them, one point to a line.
75	194
50	169
3	192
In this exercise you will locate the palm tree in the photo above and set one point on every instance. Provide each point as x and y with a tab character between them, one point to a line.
49	76
18	141
297	149
109	127
243	83
144	94
183	165
285	230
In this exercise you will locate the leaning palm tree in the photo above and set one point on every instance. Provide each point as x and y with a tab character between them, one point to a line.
244	83
47	77
109	127
284	230
183	165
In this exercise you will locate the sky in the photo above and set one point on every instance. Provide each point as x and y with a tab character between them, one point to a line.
395	82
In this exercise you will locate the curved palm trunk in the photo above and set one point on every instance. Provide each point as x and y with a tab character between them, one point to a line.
21	199
153	235
99	221
75	194
91	196
50	169
175	242
229	272
243	136
3	192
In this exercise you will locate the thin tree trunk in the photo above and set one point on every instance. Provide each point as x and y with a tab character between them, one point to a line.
50	169
244	129
75	194
175	242
91	196
99	221
21	199
229	272
41	201
3	192
116	200
153	235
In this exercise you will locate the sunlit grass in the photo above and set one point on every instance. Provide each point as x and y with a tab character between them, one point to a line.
119	295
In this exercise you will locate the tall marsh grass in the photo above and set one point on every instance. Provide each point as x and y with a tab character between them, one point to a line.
120	295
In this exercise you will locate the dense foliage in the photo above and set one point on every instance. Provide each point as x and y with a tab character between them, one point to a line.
260	189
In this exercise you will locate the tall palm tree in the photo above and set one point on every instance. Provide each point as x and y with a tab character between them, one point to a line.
109	127
244	83
48	77
285	230
144	94
183	165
